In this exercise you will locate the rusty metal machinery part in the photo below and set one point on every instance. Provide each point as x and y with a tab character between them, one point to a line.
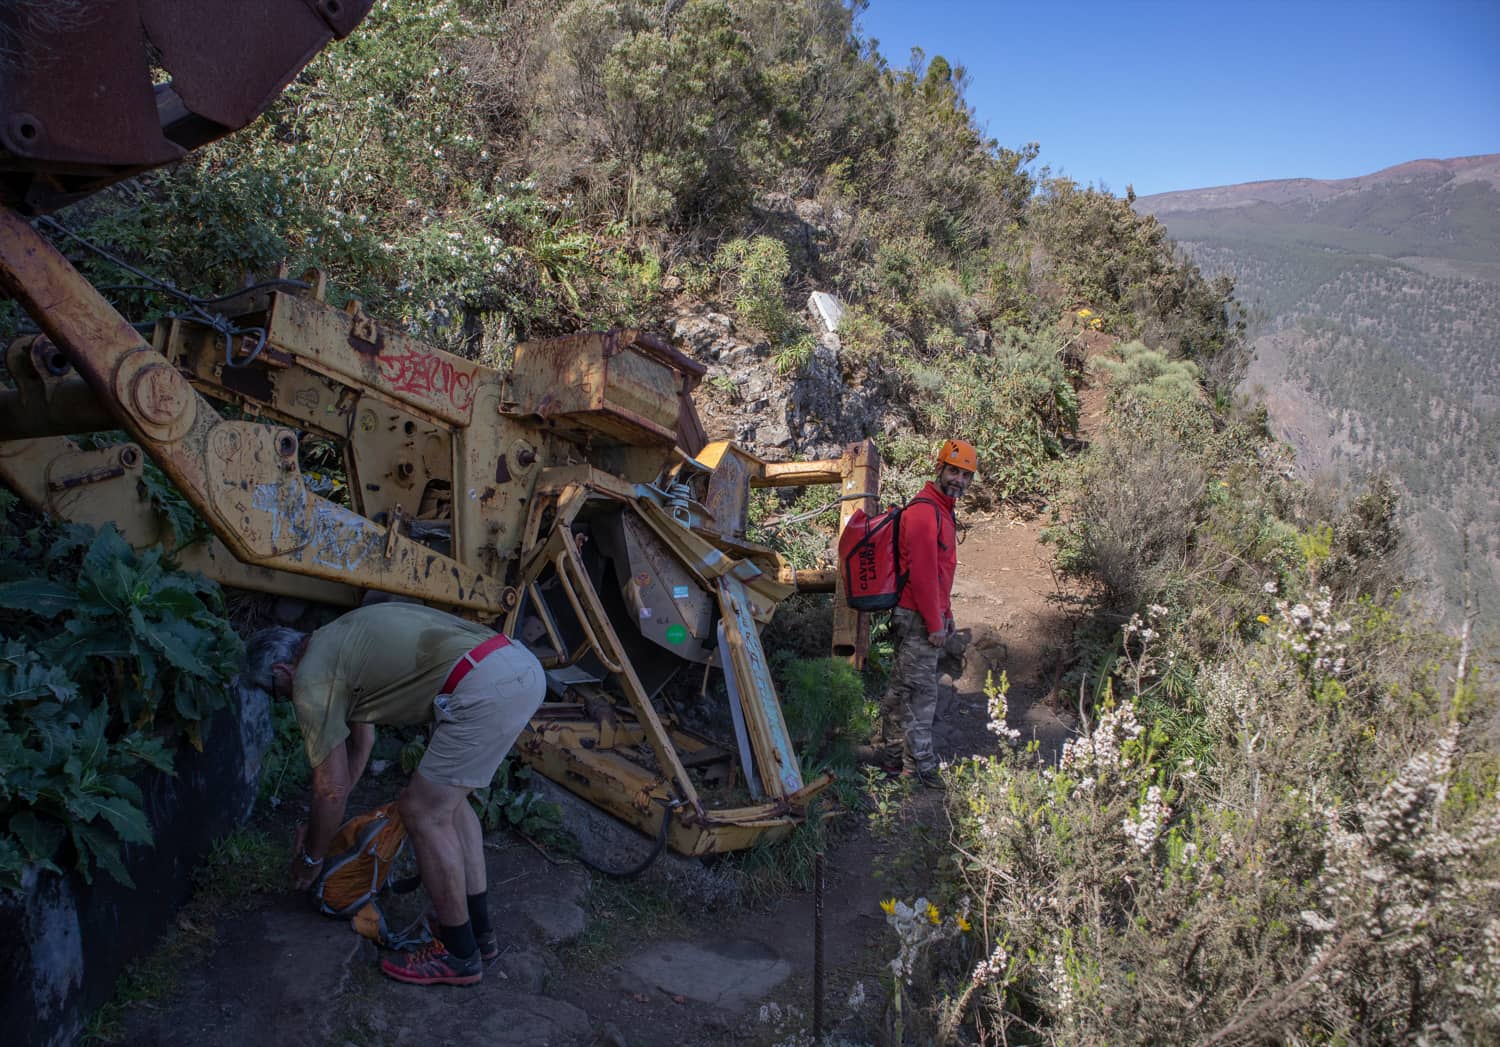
509	476
78	107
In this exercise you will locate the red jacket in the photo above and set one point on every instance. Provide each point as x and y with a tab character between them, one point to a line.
929	555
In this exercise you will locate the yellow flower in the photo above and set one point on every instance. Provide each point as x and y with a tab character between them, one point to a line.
1263	619
1085	313
889	906
964	925
932	914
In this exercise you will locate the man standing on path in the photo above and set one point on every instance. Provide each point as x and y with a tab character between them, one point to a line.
403	665
923	619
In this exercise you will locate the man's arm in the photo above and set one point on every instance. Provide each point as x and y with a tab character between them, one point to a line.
330	790
919	535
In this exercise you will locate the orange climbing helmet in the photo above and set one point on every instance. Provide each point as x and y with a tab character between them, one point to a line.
958	454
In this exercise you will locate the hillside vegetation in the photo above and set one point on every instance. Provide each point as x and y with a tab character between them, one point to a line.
1280	819
1374	301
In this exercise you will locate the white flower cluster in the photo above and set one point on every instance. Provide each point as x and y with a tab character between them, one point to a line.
1481	972
1141	628
1311	634
993	967
995	701
1398	873
1144	829
856	1000
1062	986
1228	699
1101	752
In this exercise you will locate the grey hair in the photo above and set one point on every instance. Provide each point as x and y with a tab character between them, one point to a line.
267	648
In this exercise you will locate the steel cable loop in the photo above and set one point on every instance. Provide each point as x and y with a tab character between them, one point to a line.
199	311
776	524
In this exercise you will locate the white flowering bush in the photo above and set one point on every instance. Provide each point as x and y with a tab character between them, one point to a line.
1323	862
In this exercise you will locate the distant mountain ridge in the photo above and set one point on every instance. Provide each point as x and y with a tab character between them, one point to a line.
1461	170
1377	333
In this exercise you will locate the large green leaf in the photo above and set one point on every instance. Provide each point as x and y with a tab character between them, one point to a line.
39	836
100	846
39	596
178	640
149	750
124	817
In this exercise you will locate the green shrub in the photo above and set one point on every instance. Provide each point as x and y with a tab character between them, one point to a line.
1248	864
826	708
753	274
110	655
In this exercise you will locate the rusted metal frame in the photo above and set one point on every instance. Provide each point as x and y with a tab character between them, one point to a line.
860	475
40	470
216	463
565	564
623	789
560	551
799	474
701	555
199	353
775	759
299	391
48	399
359	351
549	625
612	652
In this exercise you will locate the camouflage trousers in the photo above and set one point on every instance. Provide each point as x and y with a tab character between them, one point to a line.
910	702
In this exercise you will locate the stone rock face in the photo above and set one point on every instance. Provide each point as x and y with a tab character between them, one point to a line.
809	413
725	974
63	942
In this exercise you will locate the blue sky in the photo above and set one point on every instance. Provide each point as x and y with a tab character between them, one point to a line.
1167	94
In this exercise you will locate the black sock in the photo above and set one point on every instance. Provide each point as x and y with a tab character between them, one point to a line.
459	940
479	913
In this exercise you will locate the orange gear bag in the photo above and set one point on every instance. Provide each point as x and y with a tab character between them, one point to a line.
361	858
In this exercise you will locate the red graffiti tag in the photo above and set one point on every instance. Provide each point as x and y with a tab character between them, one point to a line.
428	375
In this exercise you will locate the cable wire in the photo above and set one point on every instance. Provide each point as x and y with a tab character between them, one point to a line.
198	308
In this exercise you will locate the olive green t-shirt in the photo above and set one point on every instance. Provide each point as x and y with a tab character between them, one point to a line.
381	664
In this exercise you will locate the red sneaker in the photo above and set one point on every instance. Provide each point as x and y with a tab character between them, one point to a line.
433	964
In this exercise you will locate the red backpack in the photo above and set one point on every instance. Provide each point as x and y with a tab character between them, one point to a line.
870	557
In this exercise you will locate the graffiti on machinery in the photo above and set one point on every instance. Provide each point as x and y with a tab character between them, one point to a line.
428	375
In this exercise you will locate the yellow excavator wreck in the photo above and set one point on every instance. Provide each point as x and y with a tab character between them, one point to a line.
571	499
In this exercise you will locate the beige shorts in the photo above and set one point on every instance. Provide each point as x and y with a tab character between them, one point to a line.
475	726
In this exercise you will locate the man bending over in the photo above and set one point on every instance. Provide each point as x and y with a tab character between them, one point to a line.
405	665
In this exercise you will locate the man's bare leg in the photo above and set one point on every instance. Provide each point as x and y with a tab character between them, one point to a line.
471	834
471	837
430	812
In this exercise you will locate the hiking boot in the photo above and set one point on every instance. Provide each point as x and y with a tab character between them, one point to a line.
879	756
433	964
489	947
928	778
